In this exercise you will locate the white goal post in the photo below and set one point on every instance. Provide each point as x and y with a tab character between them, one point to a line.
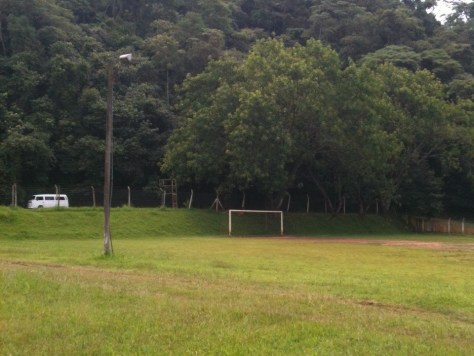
258	212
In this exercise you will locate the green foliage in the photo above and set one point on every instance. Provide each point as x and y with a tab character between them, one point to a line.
25	153
440	63
288	114
270	115
258	113
400	56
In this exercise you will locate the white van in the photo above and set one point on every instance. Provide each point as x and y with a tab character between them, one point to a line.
48	201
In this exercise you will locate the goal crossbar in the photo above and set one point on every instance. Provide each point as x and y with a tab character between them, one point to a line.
256	211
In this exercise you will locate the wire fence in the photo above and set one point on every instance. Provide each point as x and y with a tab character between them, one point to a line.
446	226
88	196
84	196
295	201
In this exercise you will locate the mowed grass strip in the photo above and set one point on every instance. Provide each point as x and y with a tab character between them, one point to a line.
131	223
215	295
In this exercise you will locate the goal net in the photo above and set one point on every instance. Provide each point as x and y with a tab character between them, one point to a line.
256	222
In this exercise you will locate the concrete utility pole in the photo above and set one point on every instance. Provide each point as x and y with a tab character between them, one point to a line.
108	154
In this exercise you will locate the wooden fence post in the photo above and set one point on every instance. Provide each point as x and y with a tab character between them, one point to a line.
217	202
93	196
163	198
14	196
129	201
56	188
191	199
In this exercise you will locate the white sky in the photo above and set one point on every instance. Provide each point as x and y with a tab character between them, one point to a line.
443	8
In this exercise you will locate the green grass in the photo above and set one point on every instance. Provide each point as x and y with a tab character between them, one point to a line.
125	223
204	294
143	223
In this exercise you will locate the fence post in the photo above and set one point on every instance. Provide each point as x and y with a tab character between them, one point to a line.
163	198
93	196
449	226
217	202
462	226
191	200
307	203
129	201
14	196
56	188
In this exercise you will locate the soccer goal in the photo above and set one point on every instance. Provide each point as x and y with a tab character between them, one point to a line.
271	221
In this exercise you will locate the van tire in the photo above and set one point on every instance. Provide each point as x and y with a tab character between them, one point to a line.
40	206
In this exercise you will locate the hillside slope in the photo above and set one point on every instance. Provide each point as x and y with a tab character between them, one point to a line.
154	223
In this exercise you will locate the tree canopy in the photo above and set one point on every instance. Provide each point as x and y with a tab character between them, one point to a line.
364	99
288	115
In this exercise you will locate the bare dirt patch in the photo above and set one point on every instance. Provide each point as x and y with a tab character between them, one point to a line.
397	243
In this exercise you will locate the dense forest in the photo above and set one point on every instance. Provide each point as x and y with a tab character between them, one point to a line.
370	100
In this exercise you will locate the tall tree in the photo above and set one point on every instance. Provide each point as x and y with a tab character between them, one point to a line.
265	117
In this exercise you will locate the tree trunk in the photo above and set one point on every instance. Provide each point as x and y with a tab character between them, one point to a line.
322	191
167	88
2	41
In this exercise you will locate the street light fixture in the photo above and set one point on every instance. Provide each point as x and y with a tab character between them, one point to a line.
108	154
127	56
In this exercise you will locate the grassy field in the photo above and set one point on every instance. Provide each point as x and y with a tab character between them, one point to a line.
203	293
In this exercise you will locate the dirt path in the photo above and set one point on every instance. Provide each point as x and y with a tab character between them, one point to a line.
402	243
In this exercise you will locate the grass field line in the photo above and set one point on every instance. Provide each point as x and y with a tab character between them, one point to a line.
162	283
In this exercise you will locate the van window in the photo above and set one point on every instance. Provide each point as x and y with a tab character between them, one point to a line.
49	198
39	198
61	198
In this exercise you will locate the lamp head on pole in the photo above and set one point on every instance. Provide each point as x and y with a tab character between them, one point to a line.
127	57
